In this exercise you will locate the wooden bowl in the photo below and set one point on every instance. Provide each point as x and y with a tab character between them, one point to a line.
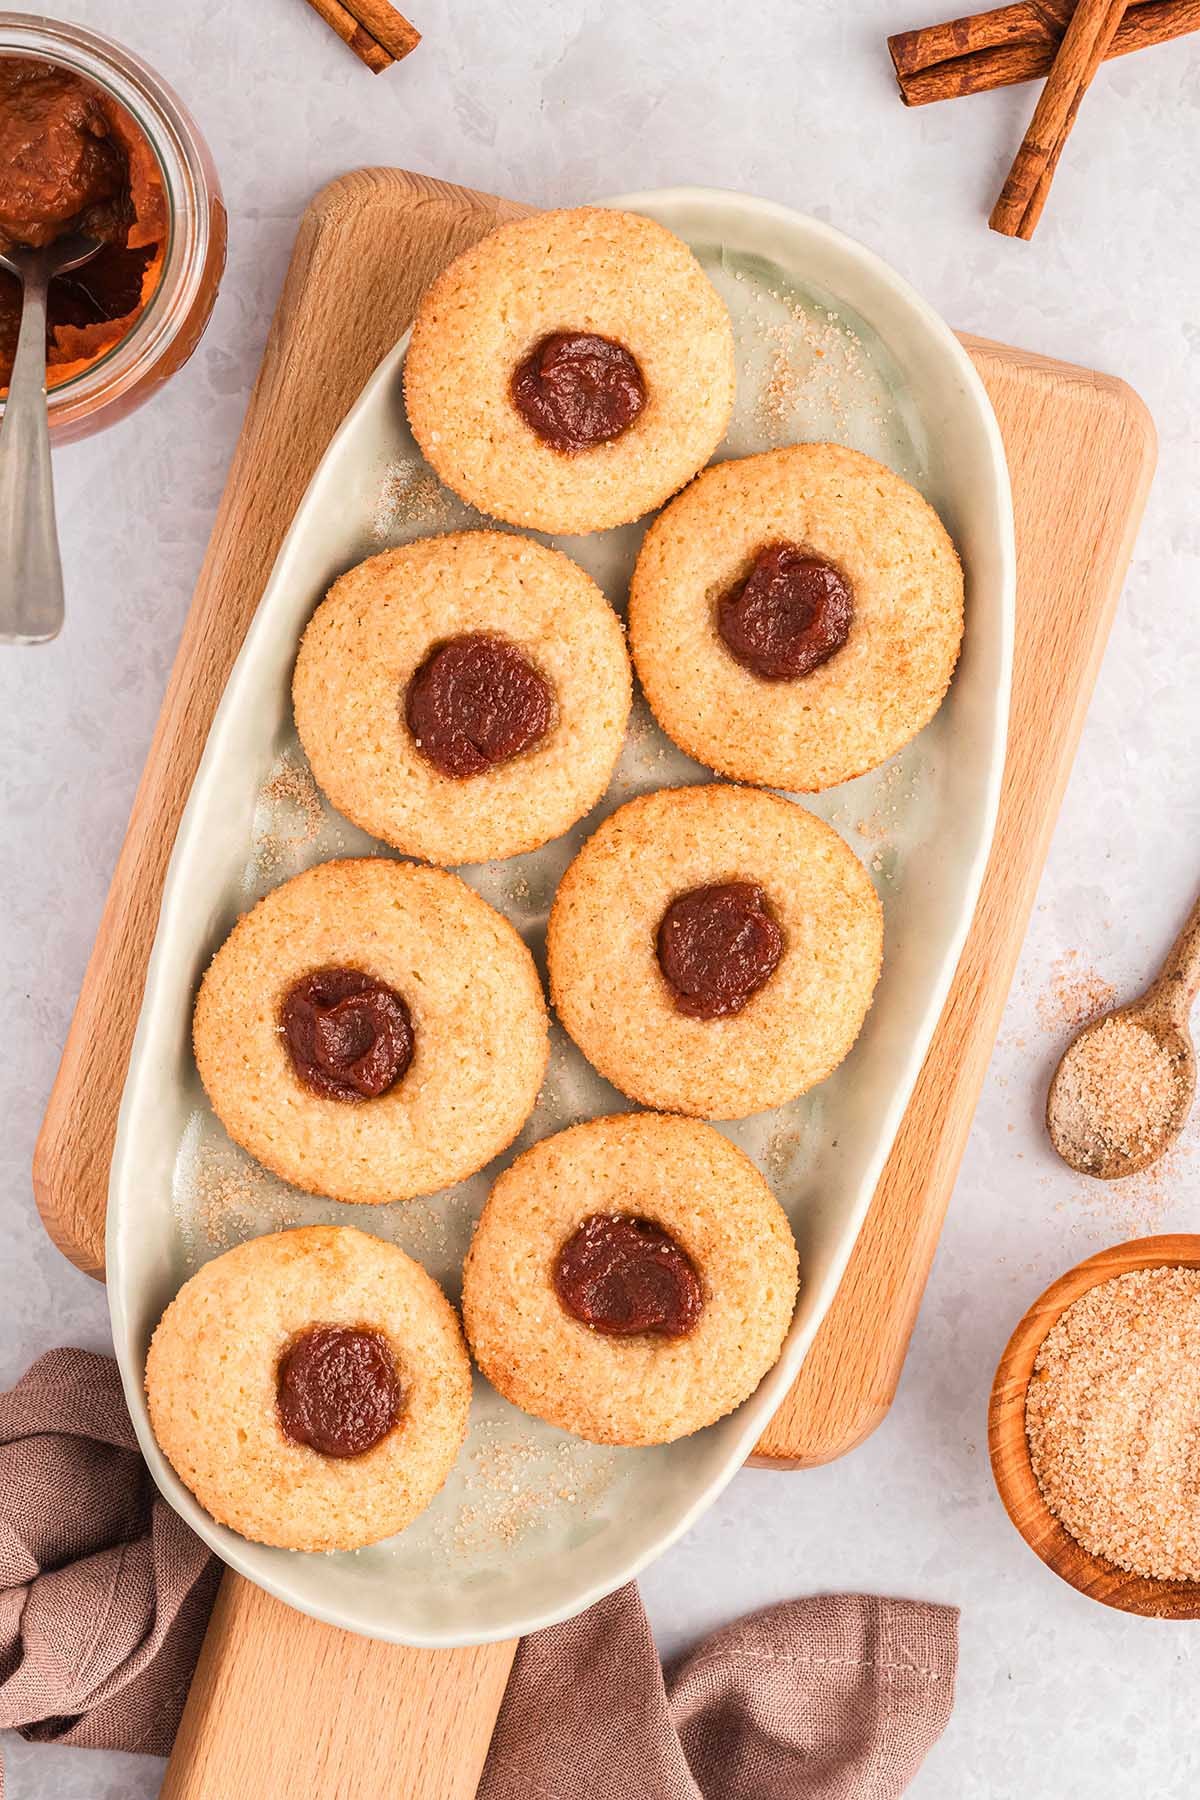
1009	1447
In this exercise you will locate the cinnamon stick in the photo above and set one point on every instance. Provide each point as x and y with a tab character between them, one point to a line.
1091	30
1015	43
386	26
378	35
367	49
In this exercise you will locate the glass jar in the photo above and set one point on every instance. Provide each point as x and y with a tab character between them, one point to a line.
171	324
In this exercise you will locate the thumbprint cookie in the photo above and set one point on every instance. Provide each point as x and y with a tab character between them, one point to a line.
372	1030
311	1388
795	617
630	1279
464	697
571	371
714	950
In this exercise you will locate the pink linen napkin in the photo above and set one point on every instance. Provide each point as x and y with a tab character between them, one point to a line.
105	1594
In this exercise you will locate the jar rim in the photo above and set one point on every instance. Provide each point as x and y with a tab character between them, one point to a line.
189	188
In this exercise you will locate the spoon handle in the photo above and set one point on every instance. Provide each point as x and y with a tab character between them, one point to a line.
31	585
1178	981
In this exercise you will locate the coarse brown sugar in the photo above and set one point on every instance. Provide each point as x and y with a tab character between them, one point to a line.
784	1146
878	822
410	497
231	1198
1116	1093
513	1486
1112	1415
294	813
1073	996
816	362
1139	1203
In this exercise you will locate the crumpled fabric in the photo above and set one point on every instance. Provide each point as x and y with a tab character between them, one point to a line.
833	1697
104	1591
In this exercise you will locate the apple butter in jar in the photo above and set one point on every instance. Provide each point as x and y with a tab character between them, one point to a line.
91	140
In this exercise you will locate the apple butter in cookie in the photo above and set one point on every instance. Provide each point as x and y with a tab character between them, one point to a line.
337	1389
789	615
631	1279
311	1388
623	1276
348	1035
717	945
571	371
463	697
577	390
346	1032
476	701
714	950
795	617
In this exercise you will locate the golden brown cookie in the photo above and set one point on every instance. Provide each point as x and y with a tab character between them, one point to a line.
372	1030
795	617
311	1388
571	371
597	1246
755	908
464	697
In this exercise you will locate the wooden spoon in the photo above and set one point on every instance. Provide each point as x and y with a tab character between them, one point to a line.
1009	1446
1163	1011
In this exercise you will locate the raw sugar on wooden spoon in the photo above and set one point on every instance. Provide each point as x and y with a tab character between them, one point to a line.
1123	1090
1116	1093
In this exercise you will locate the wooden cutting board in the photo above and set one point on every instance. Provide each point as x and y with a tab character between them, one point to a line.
282	1706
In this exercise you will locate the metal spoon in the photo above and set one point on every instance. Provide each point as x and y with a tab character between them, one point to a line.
1163	1011
31	587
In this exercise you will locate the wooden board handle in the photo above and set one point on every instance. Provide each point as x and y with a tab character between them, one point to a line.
284	1708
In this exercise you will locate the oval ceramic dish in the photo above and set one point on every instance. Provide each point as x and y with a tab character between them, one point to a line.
534	1525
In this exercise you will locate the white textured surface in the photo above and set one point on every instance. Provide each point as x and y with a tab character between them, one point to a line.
1058	1698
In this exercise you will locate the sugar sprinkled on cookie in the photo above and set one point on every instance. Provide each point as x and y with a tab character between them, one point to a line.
571	371
311	1388
767	992
795	617
631	1279
372	1031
